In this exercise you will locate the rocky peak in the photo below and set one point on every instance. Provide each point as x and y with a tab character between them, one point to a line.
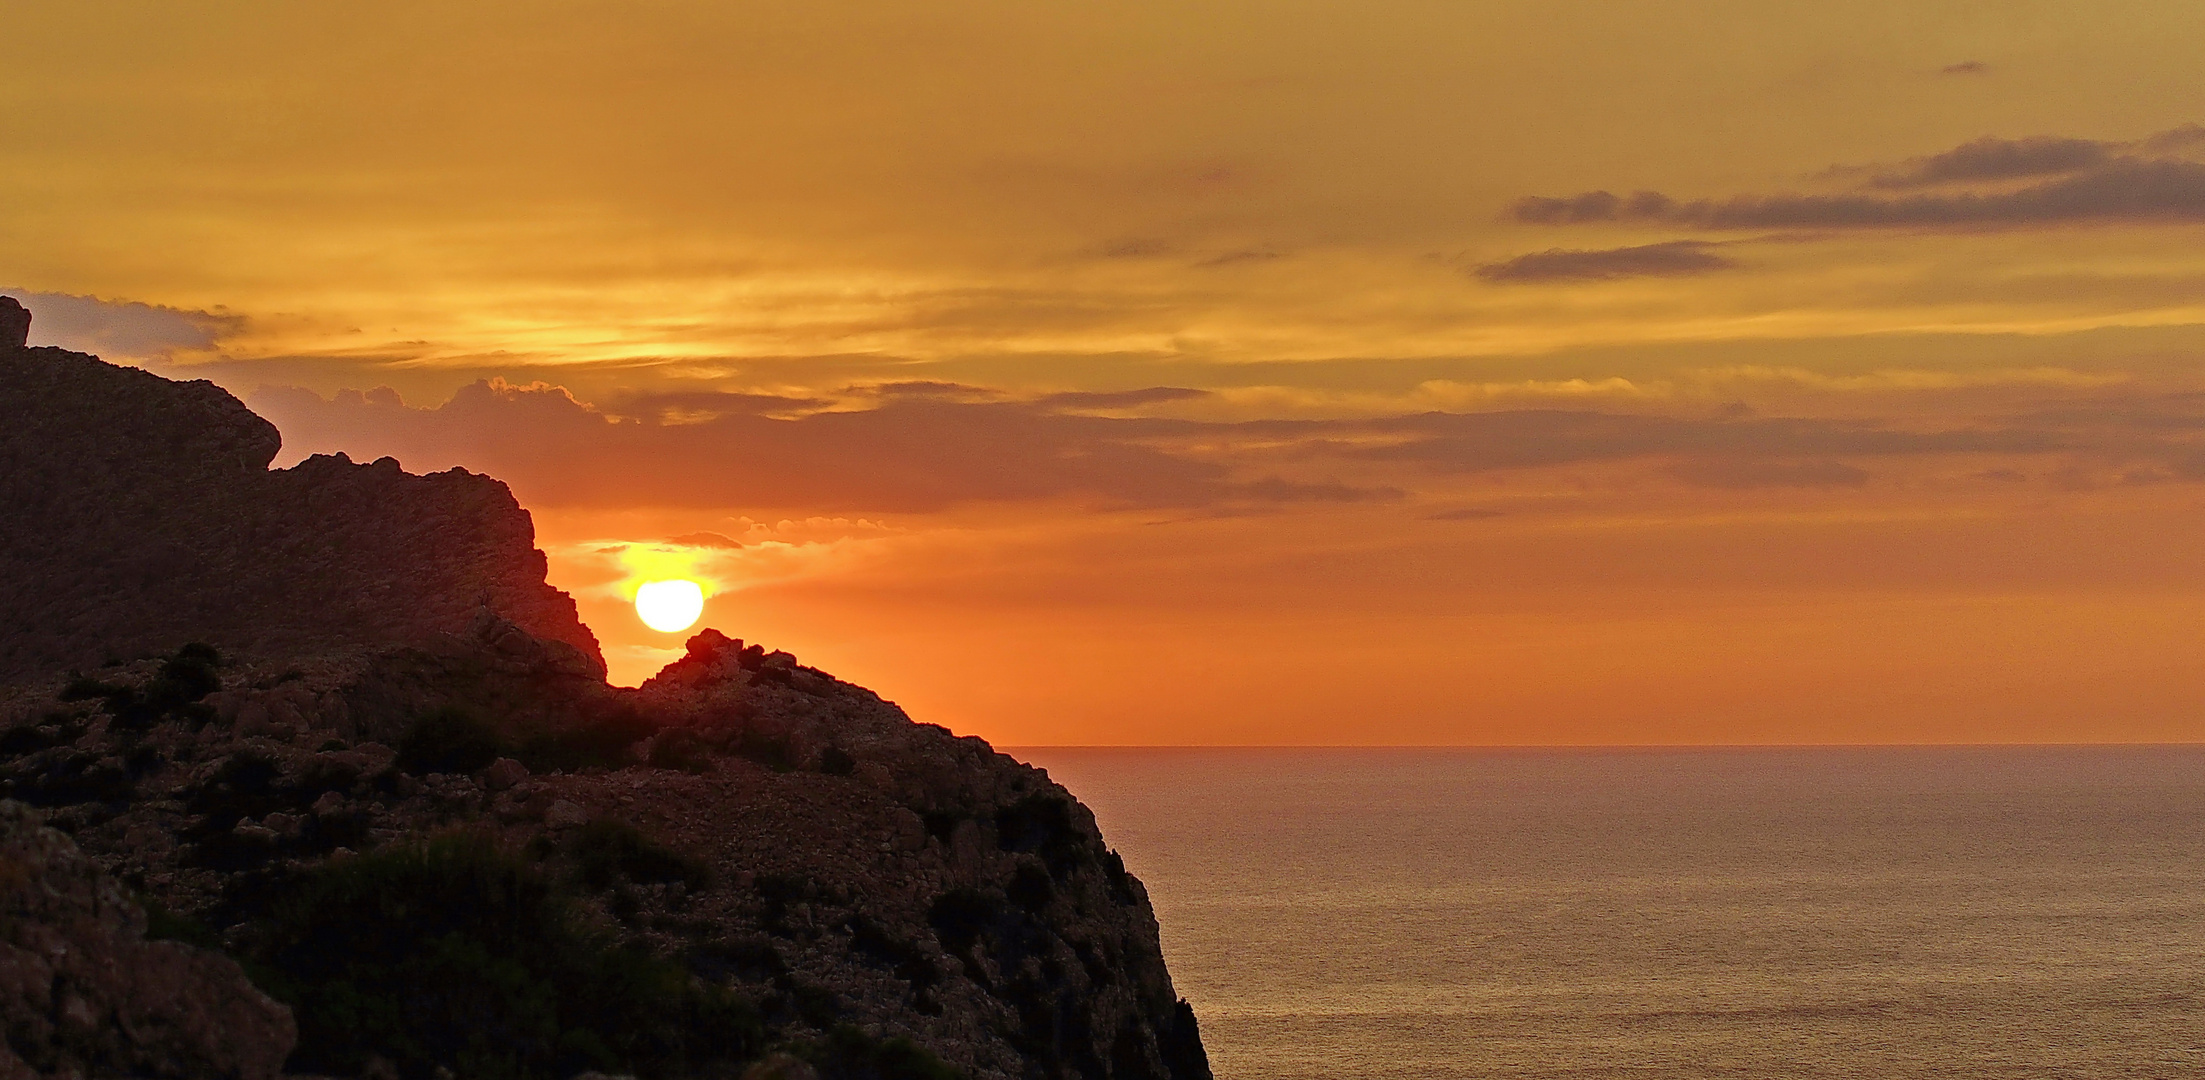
138	513
15	323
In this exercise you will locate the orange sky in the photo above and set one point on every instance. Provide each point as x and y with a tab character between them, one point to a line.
1294	372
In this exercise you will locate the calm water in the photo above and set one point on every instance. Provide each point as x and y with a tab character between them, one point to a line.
1888	913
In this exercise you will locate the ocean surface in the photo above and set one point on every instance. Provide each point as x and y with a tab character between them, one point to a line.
1659	914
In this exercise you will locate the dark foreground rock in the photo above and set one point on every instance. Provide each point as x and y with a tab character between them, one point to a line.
426	823
82	993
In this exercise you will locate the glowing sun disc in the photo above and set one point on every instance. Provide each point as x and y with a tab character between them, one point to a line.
668	606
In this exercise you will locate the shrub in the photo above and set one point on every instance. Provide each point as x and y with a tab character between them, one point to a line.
448	740
605	851
454	953
601	742
848	1053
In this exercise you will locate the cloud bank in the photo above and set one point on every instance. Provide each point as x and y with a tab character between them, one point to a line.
928	451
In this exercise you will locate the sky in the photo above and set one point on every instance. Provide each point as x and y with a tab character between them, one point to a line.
1388	372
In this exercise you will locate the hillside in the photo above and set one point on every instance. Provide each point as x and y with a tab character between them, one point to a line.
331	722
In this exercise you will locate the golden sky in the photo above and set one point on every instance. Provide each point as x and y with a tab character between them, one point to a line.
1293	372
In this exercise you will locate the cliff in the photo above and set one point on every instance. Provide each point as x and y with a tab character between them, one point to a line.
332	721
140	514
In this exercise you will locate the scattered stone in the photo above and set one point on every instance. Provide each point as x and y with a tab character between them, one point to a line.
503	773
565	815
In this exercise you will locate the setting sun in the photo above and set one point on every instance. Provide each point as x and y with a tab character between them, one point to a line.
669	606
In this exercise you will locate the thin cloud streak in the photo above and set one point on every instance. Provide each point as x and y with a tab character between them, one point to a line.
1675	258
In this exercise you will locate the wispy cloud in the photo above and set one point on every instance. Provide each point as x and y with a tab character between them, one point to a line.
1675	258
2066	181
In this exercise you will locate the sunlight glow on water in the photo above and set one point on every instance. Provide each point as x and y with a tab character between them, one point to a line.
1771	914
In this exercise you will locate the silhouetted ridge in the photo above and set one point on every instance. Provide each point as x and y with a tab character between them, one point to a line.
350	738
138	513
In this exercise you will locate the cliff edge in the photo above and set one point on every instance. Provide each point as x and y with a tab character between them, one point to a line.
332	722
140	514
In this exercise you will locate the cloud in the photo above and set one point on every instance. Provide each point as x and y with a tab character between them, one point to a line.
691	406
1467	513
1965	67
1744	475
2001	159
1120	399
924	453
705	540
1675	258
1531	438
2074	181
911	453
122	328
1236	258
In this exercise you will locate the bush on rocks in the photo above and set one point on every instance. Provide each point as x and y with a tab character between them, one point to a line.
454	953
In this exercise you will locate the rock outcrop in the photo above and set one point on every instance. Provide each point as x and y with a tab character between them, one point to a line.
82	993
385	769
137	514
15	323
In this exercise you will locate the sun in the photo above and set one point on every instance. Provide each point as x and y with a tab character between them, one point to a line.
669	606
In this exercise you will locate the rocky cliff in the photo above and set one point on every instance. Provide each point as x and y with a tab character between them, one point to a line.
331	721
140	514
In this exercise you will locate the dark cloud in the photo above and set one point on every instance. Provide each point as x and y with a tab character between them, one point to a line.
1591	206
1966	67
1467	513
1741	475
1119	399
2072	180
927	388
1675	258
2000	159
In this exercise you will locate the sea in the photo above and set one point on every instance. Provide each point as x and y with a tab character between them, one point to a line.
1659	914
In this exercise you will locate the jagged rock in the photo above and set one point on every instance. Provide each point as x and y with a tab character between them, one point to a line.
82	993
137	514
396	669
15	323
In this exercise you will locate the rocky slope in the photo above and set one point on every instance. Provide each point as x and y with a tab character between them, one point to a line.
82	993
414	809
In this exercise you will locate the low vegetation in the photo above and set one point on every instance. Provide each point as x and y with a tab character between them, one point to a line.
454	953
